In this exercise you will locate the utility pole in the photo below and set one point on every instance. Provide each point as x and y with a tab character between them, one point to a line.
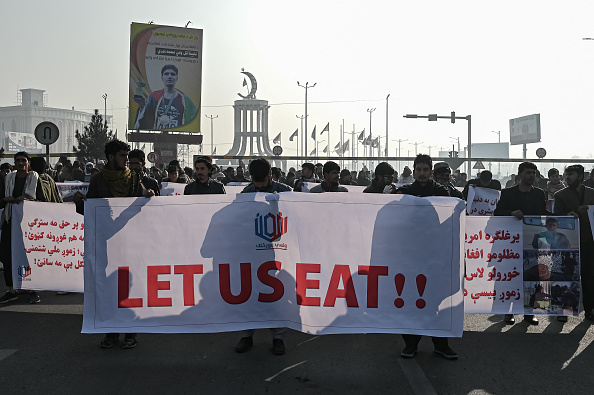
306	87
387	112
211	117
302	135
105	112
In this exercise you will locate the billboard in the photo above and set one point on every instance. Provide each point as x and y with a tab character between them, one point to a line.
524	130
16	142
165	78
490	150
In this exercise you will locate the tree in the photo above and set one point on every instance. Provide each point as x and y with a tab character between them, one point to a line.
91	142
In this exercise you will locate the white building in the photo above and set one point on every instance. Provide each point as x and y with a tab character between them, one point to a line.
17	124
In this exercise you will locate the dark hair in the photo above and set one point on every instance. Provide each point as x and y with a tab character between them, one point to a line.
579	169
23	153
5	165
137	154
172	169
423	158
526	165
551	219
276	172
290	174
553	171
344	173
330	166
169	67
259	169
486	175
38	164
308	165
206	160
384	169
115	146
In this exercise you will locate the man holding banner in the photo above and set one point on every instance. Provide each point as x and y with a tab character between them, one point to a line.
574	200
519	200
424	186
203	184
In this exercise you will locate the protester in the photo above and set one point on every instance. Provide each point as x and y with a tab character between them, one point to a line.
461	182
554	185
260	171
136	163
115	180
307	175
590	181
18	186
204	184
88	170
519	200
331	172
290	179
173	175
406	177
384	176
229	175
5	169
442	173
48	186
363	178
240	176
424	186
484	180
574	200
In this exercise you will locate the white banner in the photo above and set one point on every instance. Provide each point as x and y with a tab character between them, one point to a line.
494	269
172	189
482	201
47	247
218	271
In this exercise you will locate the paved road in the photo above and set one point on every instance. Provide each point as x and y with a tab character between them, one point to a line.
42	351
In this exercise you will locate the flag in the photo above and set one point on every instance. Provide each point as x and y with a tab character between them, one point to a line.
214	151
244	82
337	145
325	149
143	146
312	153
366	141
361	135
375	143
346	146
277	139
313	134
293	135
326	129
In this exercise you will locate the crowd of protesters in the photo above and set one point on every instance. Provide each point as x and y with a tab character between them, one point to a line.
124	174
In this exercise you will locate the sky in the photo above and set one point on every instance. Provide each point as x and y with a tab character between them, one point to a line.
491	60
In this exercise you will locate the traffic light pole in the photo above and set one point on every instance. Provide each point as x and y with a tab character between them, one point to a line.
452	118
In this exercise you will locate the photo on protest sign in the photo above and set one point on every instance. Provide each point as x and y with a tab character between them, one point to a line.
551	265
551	262
552	297
165	78
551	233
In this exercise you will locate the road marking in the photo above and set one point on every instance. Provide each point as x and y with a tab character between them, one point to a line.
73	309
584	343
313	338
284	370
6	353
416	377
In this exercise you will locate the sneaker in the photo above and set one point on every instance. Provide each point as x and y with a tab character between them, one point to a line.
278	346
34	298
509	319
245	343
562	318
108	341
9	297
446	352
129	342
408	352
532	320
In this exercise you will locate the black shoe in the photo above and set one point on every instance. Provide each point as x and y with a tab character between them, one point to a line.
129	342
108	341
408	352
34	298
562	318
509	319
587	315
245	343
9	297
446	352
531	319
278	346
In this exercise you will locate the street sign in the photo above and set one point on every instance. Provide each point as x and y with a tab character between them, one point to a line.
541	153
152	157
47	133
478	165
277	150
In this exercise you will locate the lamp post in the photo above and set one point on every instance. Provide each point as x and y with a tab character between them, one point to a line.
211	117
452	117
302	136
387	108
499	141
105	112
306	87
399	152
416	144
370	111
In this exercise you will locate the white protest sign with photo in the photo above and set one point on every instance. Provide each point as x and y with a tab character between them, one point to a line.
47	247
172	189
242	261
68	189
482	201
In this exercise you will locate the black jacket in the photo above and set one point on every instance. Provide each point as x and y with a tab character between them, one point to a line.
209	187
432	188
530	203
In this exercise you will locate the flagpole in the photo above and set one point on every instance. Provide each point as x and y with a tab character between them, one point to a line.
298	139
306	87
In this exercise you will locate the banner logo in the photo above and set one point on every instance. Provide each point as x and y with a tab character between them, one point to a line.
270	227
24	272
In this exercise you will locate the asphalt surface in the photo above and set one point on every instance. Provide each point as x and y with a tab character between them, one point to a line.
42	351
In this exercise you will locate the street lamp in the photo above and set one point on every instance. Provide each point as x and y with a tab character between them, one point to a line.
306	87
211	117
416	144
387	97
302	117
105	113
498	135
370	111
